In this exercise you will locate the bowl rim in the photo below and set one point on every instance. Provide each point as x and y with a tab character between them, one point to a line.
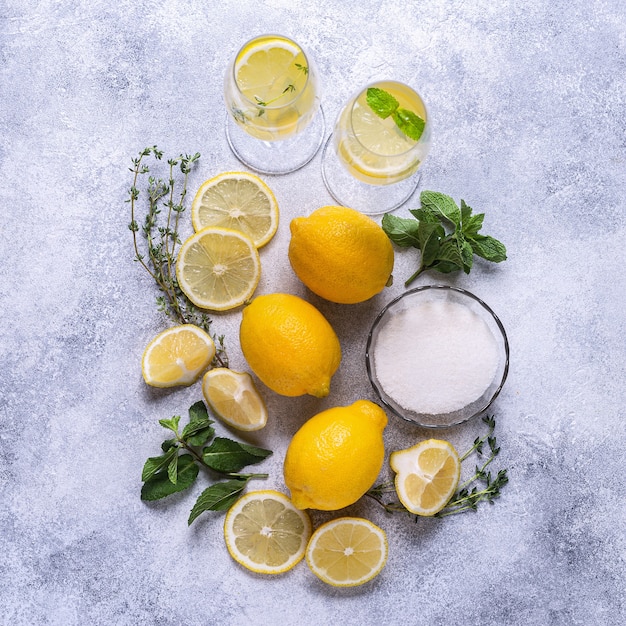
381	394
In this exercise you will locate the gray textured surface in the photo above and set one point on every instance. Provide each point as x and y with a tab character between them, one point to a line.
528	102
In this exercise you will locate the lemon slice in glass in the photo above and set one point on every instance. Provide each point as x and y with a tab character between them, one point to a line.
234	398
237	200
218	268
426	475
347	552
266	67
177	356
265	532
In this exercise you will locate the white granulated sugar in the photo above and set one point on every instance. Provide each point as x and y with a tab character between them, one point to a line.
436	357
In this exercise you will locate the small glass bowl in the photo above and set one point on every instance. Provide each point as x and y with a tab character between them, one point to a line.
439	293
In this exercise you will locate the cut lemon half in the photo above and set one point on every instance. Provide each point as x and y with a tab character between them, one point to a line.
265	532
237	200
426	475
234	398
218	268
177	356
347	552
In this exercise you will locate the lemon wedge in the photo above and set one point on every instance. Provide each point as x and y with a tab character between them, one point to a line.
347	552
237	200
234	398
265	533
218	268
177	356
426	475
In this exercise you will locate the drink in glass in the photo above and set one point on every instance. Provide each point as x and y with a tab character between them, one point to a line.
377	146
271	90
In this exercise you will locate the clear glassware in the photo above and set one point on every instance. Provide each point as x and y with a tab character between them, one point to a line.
275	123
369	163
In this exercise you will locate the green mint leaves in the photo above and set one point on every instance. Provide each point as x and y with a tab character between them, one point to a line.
447	236
197	447
384	105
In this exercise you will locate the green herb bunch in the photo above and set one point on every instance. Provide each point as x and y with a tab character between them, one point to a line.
482	486
165	205
194	448
447	236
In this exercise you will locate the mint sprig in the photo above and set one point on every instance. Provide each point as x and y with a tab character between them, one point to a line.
447	235
384	105
197	447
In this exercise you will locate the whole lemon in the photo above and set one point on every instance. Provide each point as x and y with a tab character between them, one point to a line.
336	456
340	254
289	345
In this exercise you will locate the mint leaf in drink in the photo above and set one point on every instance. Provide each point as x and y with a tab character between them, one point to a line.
217	497
381	102
225	455
447	236
409	123
385	104
160	486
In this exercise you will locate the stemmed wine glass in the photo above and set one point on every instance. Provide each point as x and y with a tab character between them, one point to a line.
275	123
382	135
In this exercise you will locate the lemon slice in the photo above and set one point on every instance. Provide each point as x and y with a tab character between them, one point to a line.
266	67
237	200
380	136
426	475
234	399
177	356
347	552
218	268
265	533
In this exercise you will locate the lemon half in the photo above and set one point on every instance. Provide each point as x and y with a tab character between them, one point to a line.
426	475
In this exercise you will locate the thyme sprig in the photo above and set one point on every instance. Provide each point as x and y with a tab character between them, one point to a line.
480	487
160	233
290	88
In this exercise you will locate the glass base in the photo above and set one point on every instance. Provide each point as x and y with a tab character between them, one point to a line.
276	157
355	194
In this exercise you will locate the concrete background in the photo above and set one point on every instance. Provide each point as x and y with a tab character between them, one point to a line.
527	100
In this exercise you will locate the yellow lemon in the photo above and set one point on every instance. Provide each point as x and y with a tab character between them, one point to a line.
237	200
426	475
266	533
347	552
335	456
177	356
340	254
289	345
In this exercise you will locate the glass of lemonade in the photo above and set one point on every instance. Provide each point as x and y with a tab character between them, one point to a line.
370	163
275	124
